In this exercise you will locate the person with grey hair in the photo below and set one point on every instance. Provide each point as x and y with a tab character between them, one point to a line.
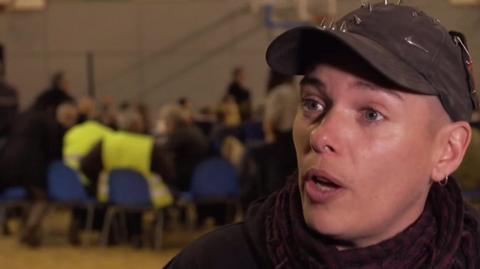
381	125
185	142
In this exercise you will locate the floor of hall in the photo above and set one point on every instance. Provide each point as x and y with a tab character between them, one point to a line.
57	253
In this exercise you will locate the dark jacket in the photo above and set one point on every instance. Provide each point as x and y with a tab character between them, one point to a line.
8	107
51	98
242	98
35	141
189	147
239	93
214	251
266	169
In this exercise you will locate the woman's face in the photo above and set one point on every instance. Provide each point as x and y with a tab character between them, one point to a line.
364	154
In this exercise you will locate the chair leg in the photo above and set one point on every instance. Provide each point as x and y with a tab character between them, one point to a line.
172	217
158	230
123	227
191	217
107	225
116	229
3	220
90	219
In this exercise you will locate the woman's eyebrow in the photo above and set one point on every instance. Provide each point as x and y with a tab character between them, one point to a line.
313	82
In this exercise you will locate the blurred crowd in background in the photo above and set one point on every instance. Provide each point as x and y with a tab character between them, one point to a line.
95	136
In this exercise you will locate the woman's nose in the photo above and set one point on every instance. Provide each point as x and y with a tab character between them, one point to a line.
325	136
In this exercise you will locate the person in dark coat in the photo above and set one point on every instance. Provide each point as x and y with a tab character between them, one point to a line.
186	143
8	107
55	95
240	93
267	166
265	169
34	142
370	191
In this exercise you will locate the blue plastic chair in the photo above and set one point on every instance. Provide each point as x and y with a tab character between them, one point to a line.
129	191
253	133
66	190
13	197
64	185
214	180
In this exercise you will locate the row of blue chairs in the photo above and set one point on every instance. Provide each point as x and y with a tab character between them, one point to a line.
214	179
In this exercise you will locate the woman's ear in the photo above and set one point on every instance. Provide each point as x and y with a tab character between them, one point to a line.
453	143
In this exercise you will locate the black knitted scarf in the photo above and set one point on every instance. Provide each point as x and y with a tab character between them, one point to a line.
445	236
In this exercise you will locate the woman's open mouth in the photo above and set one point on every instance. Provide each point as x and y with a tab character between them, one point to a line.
321	187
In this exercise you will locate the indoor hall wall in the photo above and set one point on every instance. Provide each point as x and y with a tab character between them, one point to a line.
132	44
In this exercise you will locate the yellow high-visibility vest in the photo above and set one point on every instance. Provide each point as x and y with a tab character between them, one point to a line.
79	141
123	150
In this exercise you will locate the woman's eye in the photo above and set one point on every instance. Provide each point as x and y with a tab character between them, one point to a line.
311	105
370	114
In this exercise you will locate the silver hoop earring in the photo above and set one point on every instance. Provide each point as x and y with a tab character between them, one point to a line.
444	181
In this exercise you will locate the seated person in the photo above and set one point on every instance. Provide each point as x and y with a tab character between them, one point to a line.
129	149
34	142
186	143
80	140
77	142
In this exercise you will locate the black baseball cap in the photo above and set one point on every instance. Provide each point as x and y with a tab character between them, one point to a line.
408	47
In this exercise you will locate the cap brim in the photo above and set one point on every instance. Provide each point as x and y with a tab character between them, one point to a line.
297	49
